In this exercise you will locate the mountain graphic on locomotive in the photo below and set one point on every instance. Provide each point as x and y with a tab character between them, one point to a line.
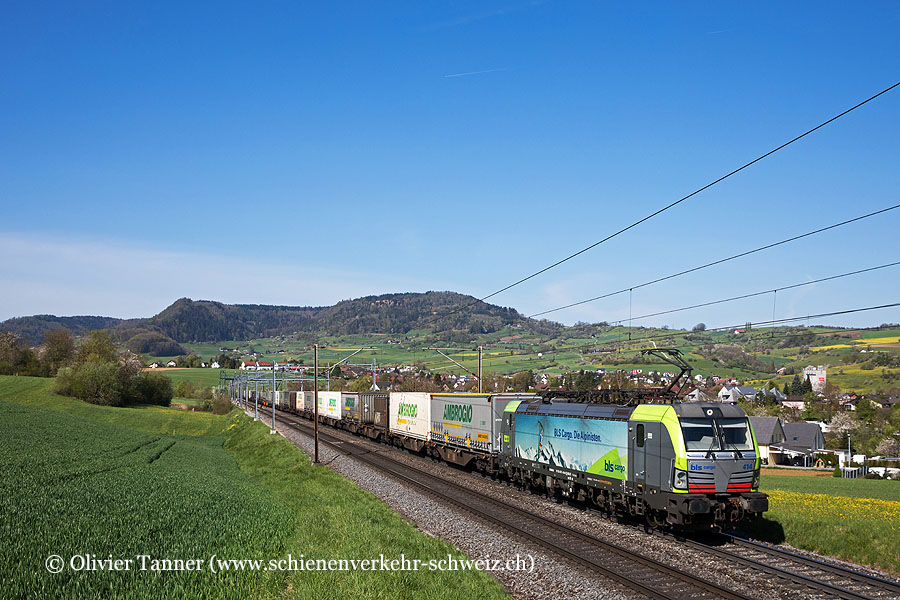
643	453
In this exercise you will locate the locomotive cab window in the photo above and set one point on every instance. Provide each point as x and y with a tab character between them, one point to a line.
640	436
736	434
699	434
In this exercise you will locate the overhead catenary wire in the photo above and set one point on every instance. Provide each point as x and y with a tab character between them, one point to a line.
718	262
673	204
765	323
621	343
769	291
767	336
771	322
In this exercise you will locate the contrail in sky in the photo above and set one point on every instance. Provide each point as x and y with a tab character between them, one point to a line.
474	73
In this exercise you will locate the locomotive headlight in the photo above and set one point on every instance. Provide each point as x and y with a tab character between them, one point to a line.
681	479
755	479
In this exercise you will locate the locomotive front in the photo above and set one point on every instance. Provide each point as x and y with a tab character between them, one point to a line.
715	470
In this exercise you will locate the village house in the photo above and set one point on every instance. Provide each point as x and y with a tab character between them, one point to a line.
797	406
849	400
770	437
256	365
801	442
733	393
697	395
774	394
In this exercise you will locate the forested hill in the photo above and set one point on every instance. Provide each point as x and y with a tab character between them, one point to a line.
189	320
33	329
194	321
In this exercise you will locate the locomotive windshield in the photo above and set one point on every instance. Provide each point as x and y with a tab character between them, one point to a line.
736	434
716	434
699	434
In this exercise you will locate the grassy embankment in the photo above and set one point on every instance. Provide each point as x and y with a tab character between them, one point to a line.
80	479
853	519
199	377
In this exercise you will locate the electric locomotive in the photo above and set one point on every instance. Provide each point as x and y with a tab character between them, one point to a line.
693	465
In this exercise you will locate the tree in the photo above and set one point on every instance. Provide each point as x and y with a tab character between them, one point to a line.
888	447
10	352
806	386
522	381
586	380
99	375
361	384
16	359
866	410
787	389
98	347
58	349
842	422
699	327
185	389
796	386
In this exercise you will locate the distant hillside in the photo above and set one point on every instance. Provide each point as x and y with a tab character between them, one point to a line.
399	313
33	329
198	321
205	321
189	320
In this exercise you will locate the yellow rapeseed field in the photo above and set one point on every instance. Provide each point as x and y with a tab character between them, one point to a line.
861	343
822	506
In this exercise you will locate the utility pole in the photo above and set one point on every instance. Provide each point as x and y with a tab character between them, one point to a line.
256	396
479	369
316	398
274	393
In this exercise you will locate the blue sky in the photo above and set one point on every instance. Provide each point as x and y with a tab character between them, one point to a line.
300	153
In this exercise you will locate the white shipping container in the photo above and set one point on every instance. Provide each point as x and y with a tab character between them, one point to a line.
305	401
411	414
464	420
330	405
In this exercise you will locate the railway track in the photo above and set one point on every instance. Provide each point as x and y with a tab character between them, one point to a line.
647	576
813	577
842	582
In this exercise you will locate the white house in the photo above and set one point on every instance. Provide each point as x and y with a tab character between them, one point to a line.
256	365
697	395
733	393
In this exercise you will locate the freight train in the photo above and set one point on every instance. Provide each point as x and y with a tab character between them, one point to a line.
687	465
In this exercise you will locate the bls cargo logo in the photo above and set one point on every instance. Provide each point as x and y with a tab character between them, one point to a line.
613	468
407	410
458	412
694	467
